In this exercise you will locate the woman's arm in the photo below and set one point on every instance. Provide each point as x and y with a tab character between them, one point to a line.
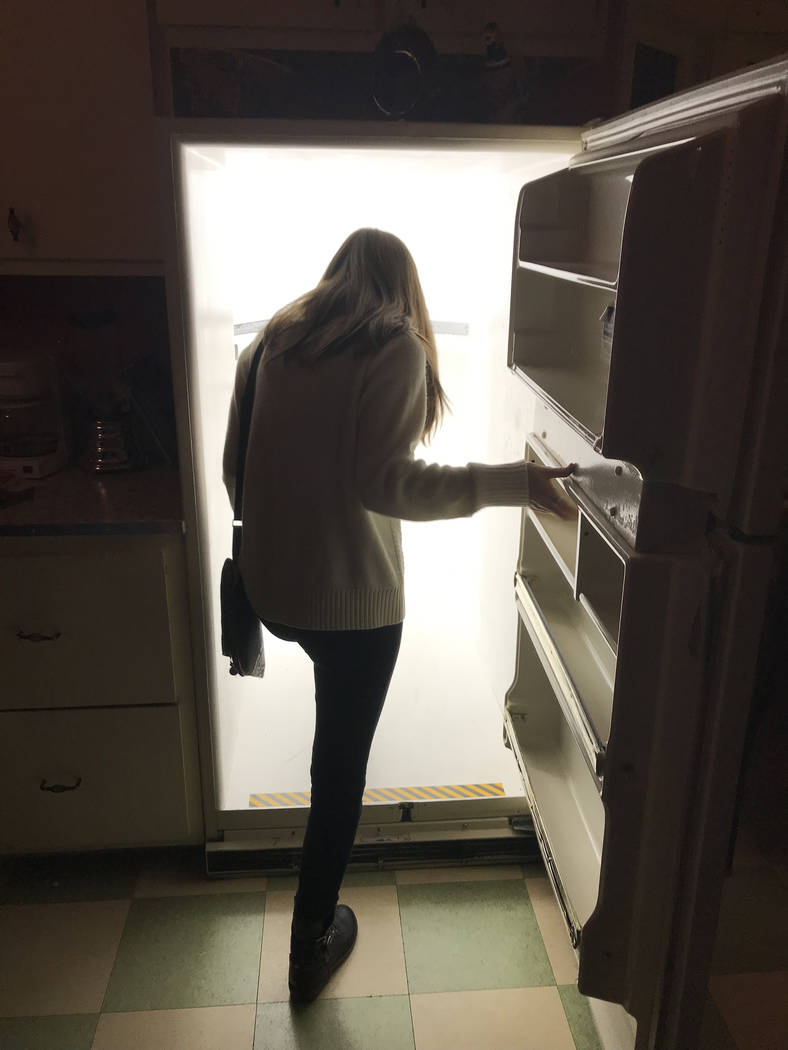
391	417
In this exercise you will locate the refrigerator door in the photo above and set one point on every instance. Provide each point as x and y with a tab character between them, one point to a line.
740	588
638	277
641	279
603	717
631	776
759	490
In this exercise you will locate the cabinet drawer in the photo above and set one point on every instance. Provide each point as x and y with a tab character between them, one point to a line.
88	779
86	629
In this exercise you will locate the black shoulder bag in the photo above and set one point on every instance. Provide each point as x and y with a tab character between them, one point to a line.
242	632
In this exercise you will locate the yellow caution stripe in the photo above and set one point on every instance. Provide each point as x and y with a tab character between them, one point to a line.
280	800
427	793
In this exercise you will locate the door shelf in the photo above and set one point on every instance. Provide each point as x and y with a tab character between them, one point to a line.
574	273
558	534
599	584
604	834
563	795
560	537
571	921
558	344
572	222
629	305
576	652
562	680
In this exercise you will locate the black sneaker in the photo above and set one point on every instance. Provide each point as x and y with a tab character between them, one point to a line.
313	961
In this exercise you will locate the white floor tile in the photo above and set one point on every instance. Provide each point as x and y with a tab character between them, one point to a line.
377	964
553	930
57	958
208	1028
501	1019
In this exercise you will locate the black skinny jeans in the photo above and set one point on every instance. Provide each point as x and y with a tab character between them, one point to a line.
352	674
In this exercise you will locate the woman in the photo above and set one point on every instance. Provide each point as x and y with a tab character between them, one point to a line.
347	386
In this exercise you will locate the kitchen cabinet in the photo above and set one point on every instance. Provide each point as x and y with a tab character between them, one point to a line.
562	28
97	728
79	159
96	779
72	619
561	18
297	14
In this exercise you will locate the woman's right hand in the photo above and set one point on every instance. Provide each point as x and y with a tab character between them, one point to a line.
545	494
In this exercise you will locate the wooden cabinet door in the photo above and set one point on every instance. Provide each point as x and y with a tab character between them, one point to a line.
95	779
558	18
295	14
78	132
88	628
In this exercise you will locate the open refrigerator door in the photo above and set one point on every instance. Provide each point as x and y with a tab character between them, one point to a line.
642	292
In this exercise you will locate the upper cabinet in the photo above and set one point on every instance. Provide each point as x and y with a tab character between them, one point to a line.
560	28
79	159
567	20
296	14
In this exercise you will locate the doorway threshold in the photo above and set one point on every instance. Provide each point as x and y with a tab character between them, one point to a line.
494	840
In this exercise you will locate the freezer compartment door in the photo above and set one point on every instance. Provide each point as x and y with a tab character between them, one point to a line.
637	282
603	717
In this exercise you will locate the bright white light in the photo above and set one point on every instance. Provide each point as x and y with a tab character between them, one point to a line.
290	209
262	228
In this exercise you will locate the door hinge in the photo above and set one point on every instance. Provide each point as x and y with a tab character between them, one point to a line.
522	823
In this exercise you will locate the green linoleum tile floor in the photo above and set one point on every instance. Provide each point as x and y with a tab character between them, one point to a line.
70	1032
578	1014
382	1022
188	951
180	952
470	936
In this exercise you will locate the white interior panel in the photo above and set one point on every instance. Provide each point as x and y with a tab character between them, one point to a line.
279	214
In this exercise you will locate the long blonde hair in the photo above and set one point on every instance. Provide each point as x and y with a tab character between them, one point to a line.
371	289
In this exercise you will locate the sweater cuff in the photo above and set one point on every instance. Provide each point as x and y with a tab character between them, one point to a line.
502	485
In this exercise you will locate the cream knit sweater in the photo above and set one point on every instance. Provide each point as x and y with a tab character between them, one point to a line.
329	474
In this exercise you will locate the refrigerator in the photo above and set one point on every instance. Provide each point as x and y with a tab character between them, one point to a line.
646	342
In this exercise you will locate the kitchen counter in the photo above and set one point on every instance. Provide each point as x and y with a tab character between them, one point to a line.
75	502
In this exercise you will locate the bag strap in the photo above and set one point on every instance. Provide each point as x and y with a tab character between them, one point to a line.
245	419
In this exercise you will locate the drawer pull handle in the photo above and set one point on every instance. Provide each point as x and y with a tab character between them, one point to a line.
58	789
36	636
